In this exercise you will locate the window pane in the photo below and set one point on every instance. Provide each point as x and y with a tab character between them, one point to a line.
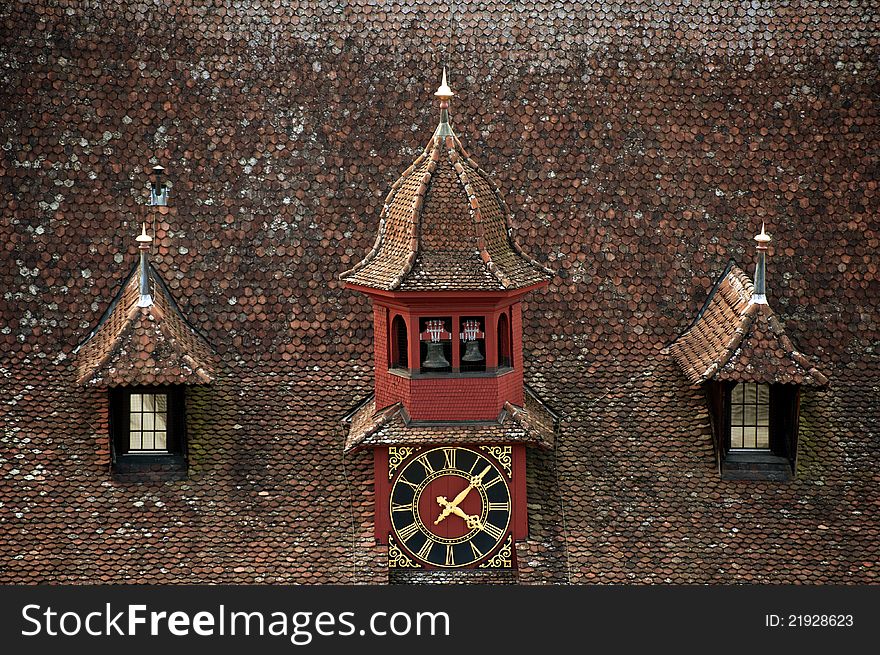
161	402
149	422
736	414
763	437
134	440
763	393
748	437
134	422
149	402
160	440
736	438
763	414
736	395
161	421
749	414
135	403
751	392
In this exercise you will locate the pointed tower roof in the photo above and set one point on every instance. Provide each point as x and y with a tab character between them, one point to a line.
143	338
444	226
737	337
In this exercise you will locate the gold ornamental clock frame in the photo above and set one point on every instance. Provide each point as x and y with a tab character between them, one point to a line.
450	506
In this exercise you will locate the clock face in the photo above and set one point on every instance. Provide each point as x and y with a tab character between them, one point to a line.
450	507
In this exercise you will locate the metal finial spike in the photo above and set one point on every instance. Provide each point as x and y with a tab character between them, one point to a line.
143	237
443	91
763	237
759	296
144	241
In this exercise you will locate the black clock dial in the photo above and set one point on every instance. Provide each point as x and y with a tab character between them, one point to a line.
450	507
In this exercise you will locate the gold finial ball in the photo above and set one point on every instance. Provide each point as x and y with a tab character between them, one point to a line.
443	91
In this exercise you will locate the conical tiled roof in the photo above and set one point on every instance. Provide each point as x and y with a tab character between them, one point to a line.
444	226
737	339
144	345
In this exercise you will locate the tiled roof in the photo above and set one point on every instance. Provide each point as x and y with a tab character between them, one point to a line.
734	338
444	226
134	345
533	424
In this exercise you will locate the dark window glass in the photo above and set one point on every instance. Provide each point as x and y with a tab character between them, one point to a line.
504	352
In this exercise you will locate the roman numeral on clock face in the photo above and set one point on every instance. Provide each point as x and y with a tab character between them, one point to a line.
411	485
492	482
403	508
406	533
423	460
449	457
450	559
497	506
493	531
425	550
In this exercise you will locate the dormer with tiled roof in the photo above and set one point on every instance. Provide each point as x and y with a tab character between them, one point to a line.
738	350
145	353
444	226
736	339
143	338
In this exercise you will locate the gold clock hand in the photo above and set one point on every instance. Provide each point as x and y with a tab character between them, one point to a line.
476	480
473	522
450	507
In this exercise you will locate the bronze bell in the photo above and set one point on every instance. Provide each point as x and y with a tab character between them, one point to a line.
435	357
472	352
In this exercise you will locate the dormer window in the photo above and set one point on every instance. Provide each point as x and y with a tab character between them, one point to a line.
737	349
760	427
148	430
750	417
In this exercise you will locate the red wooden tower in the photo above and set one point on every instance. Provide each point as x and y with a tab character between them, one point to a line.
447	280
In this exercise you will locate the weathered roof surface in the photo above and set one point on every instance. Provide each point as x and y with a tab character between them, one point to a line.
734	338
444	226
134	345
532	424
637	157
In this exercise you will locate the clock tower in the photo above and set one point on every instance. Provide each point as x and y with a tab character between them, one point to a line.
450	419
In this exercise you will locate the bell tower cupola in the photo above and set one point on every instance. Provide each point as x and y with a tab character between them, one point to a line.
446	280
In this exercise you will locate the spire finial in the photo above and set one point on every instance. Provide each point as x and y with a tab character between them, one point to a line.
759	296
144	241
444	93
763	239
